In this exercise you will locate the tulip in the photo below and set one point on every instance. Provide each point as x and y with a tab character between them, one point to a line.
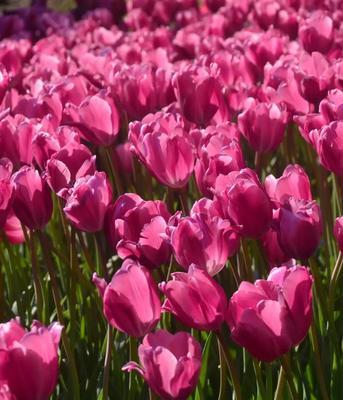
170	364
29	360
203	240
329	146
316	33
195	298
87	202
98	119
30	190
161	143
271	316
13	230
300	228
6	189
245	202
136	228
294	182
263	125
338	232
199	95
130	301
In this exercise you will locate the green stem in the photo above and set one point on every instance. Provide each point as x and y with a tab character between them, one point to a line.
231	366
114	172
107	364
36	275
333	281
222	369
258	375
280	385
286	367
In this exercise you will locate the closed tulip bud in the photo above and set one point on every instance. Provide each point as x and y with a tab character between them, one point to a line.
294	182
199	95
317	33
244	202
98	119
263	125
203	240
162	145
136	228
29	360
31	190
130	301
271	316
338	232
329	145
87	202
13	229
300	228
195	298
170	364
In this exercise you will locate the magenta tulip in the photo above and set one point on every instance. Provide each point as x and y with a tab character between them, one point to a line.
29	360
195	298
338	232
130	301
316	33
87	202
30	190
170	364
271	316
6	189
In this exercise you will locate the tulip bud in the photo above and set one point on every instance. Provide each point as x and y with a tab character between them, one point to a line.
245	202
130	301
29	361
338	232
87	202
271	316
203	240
300	228
170	364
31	190
136	228
294	182
161	143
263	125
195	298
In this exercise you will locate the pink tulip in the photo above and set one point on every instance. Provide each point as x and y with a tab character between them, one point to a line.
263	125
195	298
29	360
329	146
31	190
87	202
245	202
98	119
271	316
203	240
316	33
300	228
219	153
199	96
170	364
13	230
6	189
338	232
130	301
161	143
294	182
136	228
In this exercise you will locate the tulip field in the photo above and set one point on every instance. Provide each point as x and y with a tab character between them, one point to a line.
171	211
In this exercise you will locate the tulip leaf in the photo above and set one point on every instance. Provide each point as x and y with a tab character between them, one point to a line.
203	373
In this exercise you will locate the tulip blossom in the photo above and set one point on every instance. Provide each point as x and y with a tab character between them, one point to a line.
130	301
244	201
271	316
300	228
162	145
263	125
32	202
13	229
29	360
6	189
294	182
136	229
338	232
170	364
203	240
195	298
87	202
